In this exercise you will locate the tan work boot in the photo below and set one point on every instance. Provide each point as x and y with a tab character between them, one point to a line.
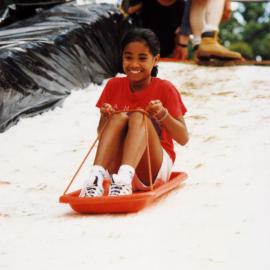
210	48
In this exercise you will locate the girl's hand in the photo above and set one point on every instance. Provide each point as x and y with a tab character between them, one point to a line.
106	110
156	109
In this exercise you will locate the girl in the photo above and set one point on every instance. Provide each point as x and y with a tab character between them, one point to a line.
122	146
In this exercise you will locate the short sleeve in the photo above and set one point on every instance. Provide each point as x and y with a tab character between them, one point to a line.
104	97
173	101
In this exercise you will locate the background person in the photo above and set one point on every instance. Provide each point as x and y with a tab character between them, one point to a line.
168	19
205	17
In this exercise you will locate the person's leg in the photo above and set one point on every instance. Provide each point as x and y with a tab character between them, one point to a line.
135	155
110	145
135	147
108	155
214	11
125	135
210	46
185	24
197	20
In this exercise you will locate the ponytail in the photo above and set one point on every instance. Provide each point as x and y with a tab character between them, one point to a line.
154	71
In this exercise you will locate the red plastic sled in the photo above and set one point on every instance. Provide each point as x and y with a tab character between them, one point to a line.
121	204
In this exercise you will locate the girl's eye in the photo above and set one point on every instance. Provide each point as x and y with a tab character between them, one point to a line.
126	57
143	58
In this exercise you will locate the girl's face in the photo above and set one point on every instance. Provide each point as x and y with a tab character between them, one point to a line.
138	63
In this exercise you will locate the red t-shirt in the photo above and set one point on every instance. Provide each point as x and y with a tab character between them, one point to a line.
117	92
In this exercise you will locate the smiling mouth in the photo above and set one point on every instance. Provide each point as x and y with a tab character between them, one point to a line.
134	71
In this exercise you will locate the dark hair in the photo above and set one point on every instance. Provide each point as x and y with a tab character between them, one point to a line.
143	35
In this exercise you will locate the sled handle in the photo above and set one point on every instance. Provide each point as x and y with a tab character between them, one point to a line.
100	133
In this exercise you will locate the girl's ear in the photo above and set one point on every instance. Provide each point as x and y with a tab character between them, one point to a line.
156	59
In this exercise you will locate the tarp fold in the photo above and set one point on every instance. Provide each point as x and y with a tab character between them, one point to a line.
44	57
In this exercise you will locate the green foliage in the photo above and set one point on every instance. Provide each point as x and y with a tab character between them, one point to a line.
248	30
243	48
253	11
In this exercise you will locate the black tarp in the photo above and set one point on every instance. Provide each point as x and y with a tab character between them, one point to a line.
19	11
43	58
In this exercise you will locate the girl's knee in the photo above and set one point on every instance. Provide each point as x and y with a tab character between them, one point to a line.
119	119
135	118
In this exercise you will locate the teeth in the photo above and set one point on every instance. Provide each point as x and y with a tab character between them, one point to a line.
134	71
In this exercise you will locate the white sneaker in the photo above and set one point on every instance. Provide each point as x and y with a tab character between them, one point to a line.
118	188
91	189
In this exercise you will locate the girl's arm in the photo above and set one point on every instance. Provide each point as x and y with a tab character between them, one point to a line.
175	127
106	110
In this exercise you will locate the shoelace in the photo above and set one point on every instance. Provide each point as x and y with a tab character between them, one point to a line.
118	189
93	190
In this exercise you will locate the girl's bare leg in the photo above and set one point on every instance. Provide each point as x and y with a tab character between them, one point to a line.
110	145
134	150
108	155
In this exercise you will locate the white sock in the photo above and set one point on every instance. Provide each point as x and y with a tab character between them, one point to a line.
99	172
196	40
125	174
210	27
